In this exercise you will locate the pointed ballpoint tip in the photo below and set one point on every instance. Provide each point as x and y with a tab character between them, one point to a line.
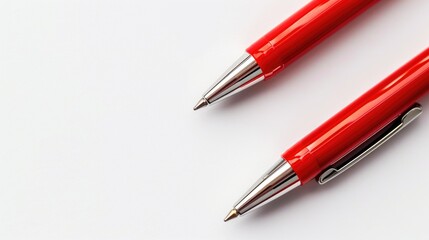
231	215
202	103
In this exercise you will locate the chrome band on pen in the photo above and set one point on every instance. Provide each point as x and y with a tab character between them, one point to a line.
370	145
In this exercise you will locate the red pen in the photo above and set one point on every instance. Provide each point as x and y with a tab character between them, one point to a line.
345	138
282	45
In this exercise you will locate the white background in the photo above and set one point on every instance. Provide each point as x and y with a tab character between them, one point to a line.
98	139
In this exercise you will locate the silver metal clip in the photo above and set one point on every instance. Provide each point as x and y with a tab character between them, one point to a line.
370	145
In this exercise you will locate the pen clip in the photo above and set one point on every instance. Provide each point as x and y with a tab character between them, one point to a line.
370	145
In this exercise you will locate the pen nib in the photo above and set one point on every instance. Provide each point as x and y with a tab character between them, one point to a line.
202	103
231	215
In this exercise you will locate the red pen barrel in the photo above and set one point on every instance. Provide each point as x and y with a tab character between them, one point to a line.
360	120
302	31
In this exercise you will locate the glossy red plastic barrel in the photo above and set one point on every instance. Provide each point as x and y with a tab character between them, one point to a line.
302	31
360	120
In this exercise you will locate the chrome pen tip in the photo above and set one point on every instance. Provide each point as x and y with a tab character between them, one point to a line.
202	103
231	215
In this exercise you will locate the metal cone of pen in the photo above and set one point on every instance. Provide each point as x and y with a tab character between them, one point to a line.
346	138
277	181
283	45
244	73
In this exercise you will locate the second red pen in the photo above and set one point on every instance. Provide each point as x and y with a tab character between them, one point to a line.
347	137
